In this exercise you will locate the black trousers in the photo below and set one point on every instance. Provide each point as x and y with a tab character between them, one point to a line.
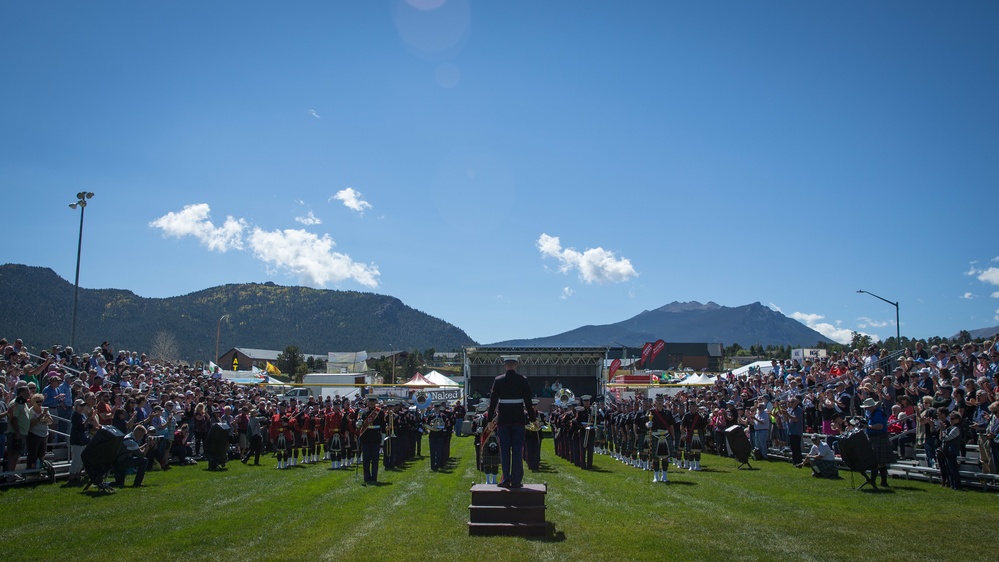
256	444
437	449
794	441
121	469
369	459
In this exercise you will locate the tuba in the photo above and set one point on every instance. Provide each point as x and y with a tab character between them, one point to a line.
422	400
563	397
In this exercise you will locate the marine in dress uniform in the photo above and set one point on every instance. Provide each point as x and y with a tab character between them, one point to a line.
370	438
437	422
509	399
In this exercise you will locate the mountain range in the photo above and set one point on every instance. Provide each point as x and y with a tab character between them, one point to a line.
37	306
690	322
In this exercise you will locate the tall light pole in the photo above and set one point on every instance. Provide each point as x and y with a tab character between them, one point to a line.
218	333
81	202
898	338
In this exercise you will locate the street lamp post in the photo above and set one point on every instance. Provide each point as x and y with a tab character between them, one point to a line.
898	338
218	334
81	202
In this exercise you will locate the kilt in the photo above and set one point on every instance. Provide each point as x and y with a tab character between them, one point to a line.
881	443
660	444
640	443
335	444
824	468
491	452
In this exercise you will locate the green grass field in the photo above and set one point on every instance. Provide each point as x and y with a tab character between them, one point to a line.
611	513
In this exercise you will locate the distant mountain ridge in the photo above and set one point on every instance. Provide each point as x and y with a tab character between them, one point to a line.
37	306
690	322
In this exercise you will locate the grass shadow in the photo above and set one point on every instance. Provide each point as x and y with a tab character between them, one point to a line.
908	489
554	535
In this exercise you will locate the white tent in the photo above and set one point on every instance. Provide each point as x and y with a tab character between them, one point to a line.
698	380
440	380
763	367
418	380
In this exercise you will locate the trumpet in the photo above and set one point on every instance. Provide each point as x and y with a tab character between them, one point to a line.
534	425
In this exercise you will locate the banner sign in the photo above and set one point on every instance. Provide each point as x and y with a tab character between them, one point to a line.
656	348
614	366
449	395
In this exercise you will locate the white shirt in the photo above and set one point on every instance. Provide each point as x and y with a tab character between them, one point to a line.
822	451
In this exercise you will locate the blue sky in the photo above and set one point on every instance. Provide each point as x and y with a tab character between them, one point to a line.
517	168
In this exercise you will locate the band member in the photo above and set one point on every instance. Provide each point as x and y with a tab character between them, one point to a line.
437	424
532	442
349	430
693	423
509	398
660	423
285	442
641	432
491	458
370	438
589	431
334	436
306	429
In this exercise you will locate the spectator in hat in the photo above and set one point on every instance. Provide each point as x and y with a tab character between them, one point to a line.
59	400
877	432
82	421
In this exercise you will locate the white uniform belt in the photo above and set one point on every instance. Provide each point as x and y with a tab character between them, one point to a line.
511	400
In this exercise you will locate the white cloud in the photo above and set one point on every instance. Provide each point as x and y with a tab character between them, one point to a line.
996	317
194	220
310	257
309	220
839	335
566	293
776	308
865	322
595	265
313	113
990	276
351	199
995	295
968	296
301	253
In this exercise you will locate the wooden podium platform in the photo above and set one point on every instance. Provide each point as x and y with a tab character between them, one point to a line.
504	511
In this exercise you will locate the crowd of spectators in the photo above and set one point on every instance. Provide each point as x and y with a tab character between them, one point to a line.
74	394
937	400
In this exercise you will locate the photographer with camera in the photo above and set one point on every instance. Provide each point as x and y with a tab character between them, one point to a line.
137	450
17	428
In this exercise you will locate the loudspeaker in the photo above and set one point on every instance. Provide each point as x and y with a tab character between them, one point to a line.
217	445
100	454
856	451
739	443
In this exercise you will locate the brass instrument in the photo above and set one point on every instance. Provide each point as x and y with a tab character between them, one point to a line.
422	400
563	397
534	425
